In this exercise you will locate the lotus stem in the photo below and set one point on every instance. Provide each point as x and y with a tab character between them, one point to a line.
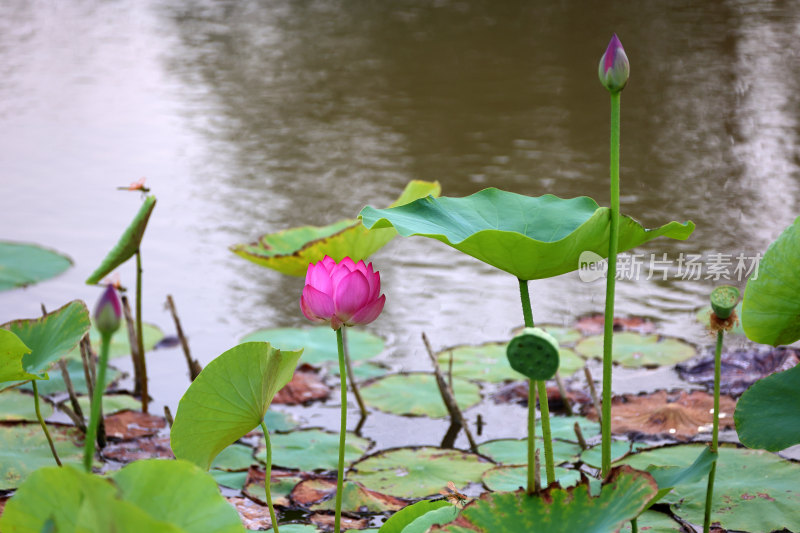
268	478
635	525
352	377
714	432
97	401
543	405
342	431
41	421
613	244
139	332
533	482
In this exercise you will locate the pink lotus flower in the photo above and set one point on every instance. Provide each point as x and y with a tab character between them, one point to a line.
614	68
342	294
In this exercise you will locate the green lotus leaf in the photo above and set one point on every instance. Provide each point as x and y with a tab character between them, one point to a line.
319	344
417	518
529	237
754	490
417	395
279	421
17	406
296	528
619	449
564	335
112	403
25	264
24	448
120	343
12	350
280	488
128	243
313	449
488	362
291	251
179	493
558	510
634	350
418	472
767	415
233	458
228	399
355	498
654	522
511	478
77	376
515	451
50	337
669	477
563	427
770	308
231	480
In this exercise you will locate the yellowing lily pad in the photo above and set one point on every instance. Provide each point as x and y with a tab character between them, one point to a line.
24	449
633	350
417	395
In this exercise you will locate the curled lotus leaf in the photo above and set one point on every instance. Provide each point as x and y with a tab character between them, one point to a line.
290	251
529	237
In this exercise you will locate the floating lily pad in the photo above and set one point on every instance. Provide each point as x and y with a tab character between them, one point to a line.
594	324
77	376
26	264
770	312
528	237
680	415
363	370
17	406
295	528
754	490
231	480
633	350
511	478
563	427
619	449
704	317
12	350
24	448
515	451
128	243
319	344
313	449
278	421
418	472
558	510
282	483
228	399
254	516
318	494
767	415
564	335
234	457
112	403
51	336
488	362
654	522
417	395
291	251
739	369
120	345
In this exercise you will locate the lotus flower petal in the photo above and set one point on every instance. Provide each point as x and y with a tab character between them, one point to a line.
350	295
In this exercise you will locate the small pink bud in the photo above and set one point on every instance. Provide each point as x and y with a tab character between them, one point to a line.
342	294
614	68
108	311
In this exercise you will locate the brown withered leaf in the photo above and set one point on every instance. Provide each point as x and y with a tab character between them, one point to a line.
318	493
138	449
254	515
306	386
325	521
282	483
593	324
517	392
680	415
126	425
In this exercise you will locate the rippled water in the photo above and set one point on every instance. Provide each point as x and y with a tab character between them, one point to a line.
250	117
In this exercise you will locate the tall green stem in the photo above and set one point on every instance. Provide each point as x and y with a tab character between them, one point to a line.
342	431
533	484
97	399
714	433
543	405
139	336
41	421
268	479
613	244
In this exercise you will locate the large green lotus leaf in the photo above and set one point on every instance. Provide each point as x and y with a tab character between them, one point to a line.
511	478
754	490
24	448
313	449
418	472
17	406
417	395
634	350
319	344
529	237
128	243
768	414
417	518
488	362
770	307
291	251
228	399
51	336
669	477
654	522
12	350
177	492
515	451
70	500
77	376
25	264
557	510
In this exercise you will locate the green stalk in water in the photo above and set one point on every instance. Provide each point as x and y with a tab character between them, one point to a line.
140	334
41	421
613	72
268	479
342	431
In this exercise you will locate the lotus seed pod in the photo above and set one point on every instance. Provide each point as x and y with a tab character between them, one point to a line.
534	354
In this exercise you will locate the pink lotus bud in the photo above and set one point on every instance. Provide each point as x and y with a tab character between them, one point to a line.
614	68
344	293
108	311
